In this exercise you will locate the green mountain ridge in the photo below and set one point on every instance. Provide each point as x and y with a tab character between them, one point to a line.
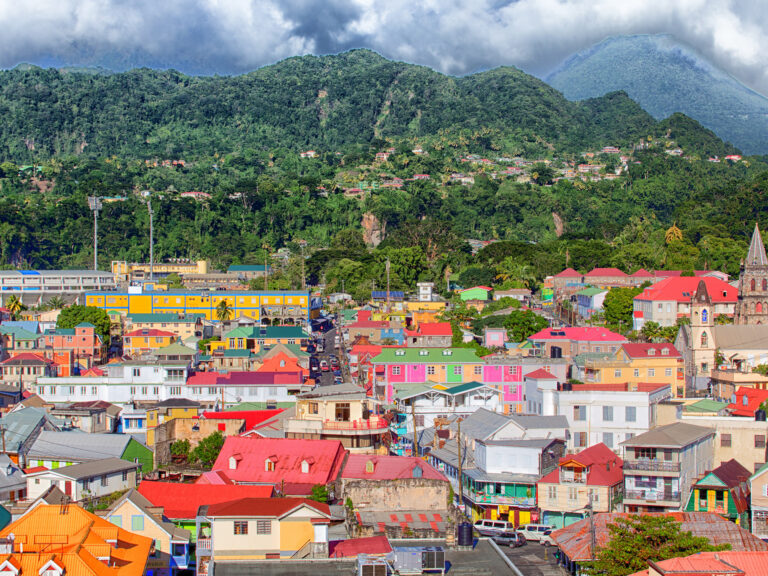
326	102
664	77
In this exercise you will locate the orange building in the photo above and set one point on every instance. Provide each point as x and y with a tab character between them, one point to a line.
59	540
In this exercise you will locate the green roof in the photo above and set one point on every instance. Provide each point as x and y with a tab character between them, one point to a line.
62	331
461	388
705	405
246	268
429	355
85	325
257	406
590	291
164	317
405	391
236	353
19	333
176	349
267	332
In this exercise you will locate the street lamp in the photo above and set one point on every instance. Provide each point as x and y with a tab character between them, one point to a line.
94	203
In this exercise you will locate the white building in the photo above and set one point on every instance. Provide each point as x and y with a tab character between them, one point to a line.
37	286
88	480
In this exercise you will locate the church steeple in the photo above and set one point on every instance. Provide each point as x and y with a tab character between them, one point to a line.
756	255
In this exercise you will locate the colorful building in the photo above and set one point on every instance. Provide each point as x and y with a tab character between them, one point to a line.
269	307
724	491
146	341
168	410
568	342
185	326
475	293
254	338
82	340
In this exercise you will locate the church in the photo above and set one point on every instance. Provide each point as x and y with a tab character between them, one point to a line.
752	304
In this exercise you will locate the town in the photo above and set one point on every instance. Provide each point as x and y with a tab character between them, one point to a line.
202	426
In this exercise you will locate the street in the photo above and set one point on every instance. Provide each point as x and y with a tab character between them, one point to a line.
329	347
533	559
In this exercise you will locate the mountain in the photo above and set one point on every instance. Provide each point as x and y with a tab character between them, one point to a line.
665	77
324	102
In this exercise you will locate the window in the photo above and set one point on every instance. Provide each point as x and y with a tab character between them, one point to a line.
175	390
104	480
725	440
144	390
608	439
478	370
117	521
630	414
125	475
136	372
579	413
607	413
137	522
617	373
312	408
667	372
595	494
457	370
573	494
94	390
552	493
759	440
636	373
342	412
580	439
431	370
269	465
241	527
704	367
395	370
263	527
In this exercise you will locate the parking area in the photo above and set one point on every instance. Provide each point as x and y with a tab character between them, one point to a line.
533	559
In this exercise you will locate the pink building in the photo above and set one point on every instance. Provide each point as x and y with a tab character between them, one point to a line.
82	340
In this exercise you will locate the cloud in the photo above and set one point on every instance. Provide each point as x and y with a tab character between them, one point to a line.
454	36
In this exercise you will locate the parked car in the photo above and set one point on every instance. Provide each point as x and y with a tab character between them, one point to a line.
314	363
324	366
493	527
511	539
537	532
338	380
334	364
546	539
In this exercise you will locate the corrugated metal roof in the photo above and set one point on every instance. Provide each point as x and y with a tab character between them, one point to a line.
76	446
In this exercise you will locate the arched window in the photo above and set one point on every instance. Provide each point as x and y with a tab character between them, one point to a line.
704	340
765	285
759	308
752	284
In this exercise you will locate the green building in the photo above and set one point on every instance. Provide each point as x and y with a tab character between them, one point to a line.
724	491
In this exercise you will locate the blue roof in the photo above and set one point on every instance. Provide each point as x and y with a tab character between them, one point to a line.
246	268
29	272
28	325
393	295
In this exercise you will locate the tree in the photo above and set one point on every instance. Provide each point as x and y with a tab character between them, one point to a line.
637	540
73	315
55	303
180	449
650	331
173	281
618	306
15	306
208	449
223	311
520	325
319	493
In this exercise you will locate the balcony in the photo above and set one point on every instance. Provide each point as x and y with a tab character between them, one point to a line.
180	557
651	466
571	479
653	496
374	423
498	499
203	547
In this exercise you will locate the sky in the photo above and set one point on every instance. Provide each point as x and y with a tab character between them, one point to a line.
453	36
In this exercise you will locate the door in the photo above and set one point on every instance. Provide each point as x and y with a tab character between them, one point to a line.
68	488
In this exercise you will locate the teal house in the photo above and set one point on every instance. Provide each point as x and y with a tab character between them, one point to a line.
724	491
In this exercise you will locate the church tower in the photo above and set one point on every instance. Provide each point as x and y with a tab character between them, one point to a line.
752	305
702	342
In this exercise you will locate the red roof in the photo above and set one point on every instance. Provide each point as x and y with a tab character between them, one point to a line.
35	469
486	288
568	273
604	468
435	329
324	458
650	350
148	332
183	500
642	273
682	289
748	400
605	272
219	478
26	357
541	374
388	468
264	507
378	545
585	334
252	417
369	324
725	563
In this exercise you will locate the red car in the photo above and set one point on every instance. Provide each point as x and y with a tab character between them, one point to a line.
324	366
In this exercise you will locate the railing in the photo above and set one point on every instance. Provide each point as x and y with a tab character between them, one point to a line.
370	424
572	480
652	465
652	495
204	546
483	498
180	561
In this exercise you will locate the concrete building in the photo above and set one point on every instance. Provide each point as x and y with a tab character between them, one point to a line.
83	481
36	287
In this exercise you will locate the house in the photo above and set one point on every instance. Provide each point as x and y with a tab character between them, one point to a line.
724	562
168	410
494	337
85	481
475	293
180	502
193	429
256	337
661	466
589	301
430	335
184	326
10	394
111	411
519	294
725	491
568	342
13	484
267	389
55	449
263	529
25	368
341	412
592	477
635	363
758	490
146	341
670	299
575	545
292	466
747	401
21	428
171	543
85	544
82	340
91	419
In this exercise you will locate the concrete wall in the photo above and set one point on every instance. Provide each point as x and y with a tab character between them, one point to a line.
400	494
183	428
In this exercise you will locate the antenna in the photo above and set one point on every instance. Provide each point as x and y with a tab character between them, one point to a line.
94	203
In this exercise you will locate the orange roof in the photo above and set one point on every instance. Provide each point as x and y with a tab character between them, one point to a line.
75	540
150	332
280	362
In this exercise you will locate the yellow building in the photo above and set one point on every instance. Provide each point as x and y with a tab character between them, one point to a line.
127	271
135	513
185	326
272	307
168	410
267	529
255	337
636	363
146	341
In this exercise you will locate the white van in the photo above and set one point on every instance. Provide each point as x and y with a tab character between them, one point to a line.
493	527
537	532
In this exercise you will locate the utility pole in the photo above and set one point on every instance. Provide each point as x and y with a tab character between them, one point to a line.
387	268
265	246
415	438
458	449
592	538
223	400
151	240
302	244
94	203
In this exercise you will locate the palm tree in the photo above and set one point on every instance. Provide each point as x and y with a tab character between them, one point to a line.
223	311
55	303
15	306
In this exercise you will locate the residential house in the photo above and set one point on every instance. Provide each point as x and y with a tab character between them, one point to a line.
589	480
21	428
87	345
57	449
430	335
758	491
91	419
661	466
192	429
168	410
263	529
568	342
171	543
25	368
519	294
637	363
18	338
111	411
575	544
257	337
589	301
85	544
249	271
341	412
725	491
85	481
292	466
375	331
267	389
133	421
747	401
475	293
10	394
180	502
146	341
724	562
494	337
13	484
185	326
